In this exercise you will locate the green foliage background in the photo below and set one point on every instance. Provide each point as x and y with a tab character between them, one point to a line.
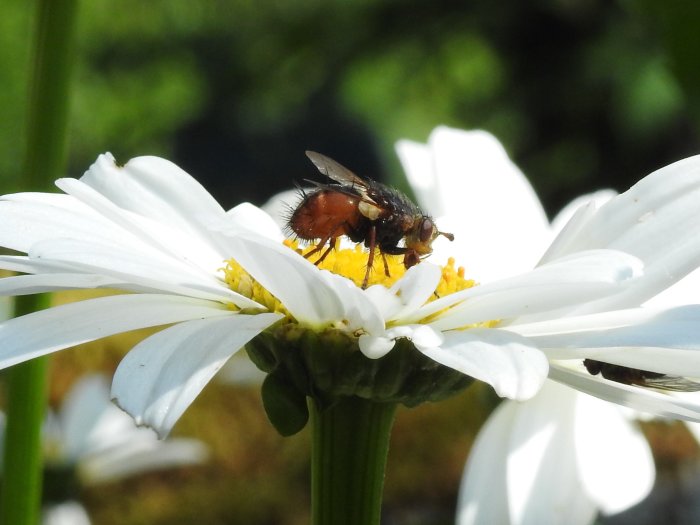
584	94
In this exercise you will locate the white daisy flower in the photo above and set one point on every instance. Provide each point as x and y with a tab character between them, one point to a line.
66	513
221	278
100	441
563	456
652	222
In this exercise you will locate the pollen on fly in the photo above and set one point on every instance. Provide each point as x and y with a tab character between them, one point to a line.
366	212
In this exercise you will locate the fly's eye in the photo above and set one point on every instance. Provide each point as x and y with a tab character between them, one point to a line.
427	231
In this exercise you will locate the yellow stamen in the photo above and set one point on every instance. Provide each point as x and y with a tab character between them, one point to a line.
452	279
242	282
352	263
348	262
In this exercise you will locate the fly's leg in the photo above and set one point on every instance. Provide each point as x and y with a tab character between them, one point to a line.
332	244
331	239
386	265
372	240
319	247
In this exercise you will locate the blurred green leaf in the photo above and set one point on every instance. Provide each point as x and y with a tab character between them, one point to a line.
677	22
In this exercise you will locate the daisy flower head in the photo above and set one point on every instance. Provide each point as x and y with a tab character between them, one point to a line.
224	279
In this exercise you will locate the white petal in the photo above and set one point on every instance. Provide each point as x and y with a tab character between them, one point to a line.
140	456
155	188
598	198
388	304
375	347
80	411
542	472
65	513
418	164
514	367
641	399
359	313
655	220
407	294
312	296
423	336
90	279
478	185
615	462
195	246
53	329
415	287
141	267
569	280
160	377
685	291
23	264
249	218
483	496
289	277
25	220
31	284
664	341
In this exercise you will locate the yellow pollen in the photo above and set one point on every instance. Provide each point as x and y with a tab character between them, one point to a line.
352	263
242	282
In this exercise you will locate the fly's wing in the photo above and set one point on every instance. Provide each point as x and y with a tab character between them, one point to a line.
335	171
339	173
672	384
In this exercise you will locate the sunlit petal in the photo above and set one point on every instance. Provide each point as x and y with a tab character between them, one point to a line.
543	485
514	367
655	220
567	281
71	324
160	377
154	187
616	467
483	494
464	174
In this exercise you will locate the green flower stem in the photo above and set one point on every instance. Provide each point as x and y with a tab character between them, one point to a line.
44	161
26	405
350	446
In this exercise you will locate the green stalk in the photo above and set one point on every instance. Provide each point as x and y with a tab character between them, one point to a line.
350	447
44	161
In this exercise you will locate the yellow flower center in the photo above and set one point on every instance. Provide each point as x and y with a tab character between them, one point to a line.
348	262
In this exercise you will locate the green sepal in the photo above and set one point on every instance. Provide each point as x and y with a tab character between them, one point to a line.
328	366
285	405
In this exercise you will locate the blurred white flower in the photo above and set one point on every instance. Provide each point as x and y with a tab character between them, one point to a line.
92	439
65	513
102	443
